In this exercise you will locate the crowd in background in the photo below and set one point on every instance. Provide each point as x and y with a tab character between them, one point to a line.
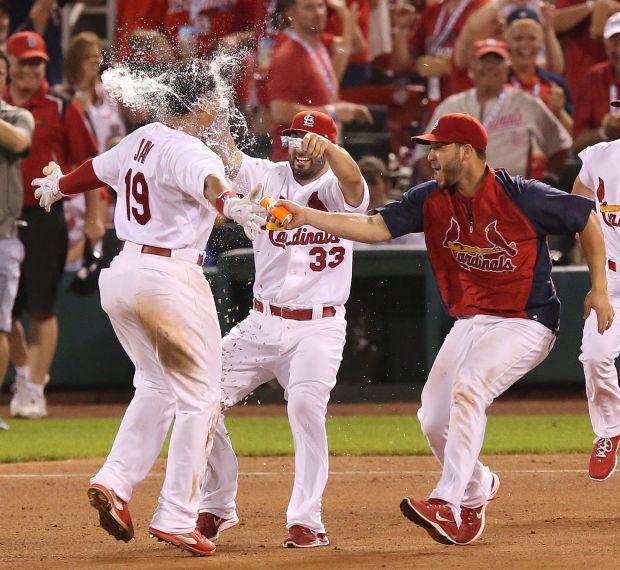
538	75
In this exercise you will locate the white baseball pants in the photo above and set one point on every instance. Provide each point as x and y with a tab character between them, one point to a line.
481	357
598	356
163	313
304	356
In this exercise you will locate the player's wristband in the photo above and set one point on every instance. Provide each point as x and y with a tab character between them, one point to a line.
221	200
83	178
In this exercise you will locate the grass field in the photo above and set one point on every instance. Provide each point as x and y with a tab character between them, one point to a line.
56	439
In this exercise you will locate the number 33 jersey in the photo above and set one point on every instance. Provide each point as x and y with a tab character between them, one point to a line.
158	174
305	266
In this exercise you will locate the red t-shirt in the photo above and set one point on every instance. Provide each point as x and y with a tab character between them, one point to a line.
61	134
297	77
424	36
580	49
132	14
221	18
598	89
334	27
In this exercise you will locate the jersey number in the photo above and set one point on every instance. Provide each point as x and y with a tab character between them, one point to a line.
139	189
323	259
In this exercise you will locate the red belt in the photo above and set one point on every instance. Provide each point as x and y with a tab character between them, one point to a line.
293	314
163	252
612	265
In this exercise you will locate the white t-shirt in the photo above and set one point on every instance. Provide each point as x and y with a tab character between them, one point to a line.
516	122
305	266
600	173
159	174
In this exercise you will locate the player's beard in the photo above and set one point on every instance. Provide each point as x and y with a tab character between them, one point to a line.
451	173
309	172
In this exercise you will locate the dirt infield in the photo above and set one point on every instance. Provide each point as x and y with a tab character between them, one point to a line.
548	514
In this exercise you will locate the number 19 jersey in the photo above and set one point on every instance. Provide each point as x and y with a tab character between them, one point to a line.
305	266
158	174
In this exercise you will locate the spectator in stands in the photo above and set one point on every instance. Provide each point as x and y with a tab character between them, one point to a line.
44	18
514	119
376	174
349	21
595	119
525	37
16	127
573	21
425	44
5	22
302	76
61	135
82	70
489	22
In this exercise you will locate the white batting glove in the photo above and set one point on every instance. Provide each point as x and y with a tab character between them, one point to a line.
247	212
48	189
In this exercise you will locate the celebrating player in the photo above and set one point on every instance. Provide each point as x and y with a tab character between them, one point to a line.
599	180
485	234
161	306
296	330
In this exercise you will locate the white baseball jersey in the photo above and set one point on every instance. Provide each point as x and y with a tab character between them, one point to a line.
600	173
159	174
305	266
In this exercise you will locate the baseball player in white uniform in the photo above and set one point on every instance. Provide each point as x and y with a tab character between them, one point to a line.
296	329
161	307
599	180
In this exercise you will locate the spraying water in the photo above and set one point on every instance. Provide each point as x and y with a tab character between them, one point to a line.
156	91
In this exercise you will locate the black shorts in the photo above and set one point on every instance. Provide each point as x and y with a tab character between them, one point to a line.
45	240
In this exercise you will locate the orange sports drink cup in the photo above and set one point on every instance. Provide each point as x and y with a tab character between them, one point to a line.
280	213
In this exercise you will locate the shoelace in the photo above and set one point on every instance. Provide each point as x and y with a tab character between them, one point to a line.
604	447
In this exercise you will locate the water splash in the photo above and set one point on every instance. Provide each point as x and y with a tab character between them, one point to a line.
154	90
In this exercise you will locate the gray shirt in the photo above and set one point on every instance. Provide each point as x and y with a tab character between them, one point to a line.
11	190
517	122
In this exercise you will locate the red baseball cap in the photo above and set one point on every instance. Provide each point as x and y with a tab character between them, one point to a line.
313	122
483	47
456	128
25	45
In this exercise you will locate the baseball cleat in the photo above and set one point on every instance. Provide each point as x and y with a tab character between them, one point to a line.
114	515
211	525
3	424
473	519
194	542
435	516
302	537
604	458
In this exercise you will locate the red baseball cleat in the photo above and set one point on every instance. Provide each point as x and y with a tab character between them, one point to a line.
211	525
473	518
114	515
433	515
193	542
604	458
302	537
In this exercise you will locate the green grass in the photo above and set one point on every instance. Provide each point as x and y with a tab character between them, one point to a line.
348	435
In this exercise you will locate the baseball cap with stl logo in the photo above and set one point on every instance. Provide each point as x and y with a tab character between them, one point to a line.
313	122
456	128
25	45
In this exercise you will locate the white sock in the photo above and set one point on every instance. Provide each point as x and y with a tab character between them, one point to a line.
36	388
23	371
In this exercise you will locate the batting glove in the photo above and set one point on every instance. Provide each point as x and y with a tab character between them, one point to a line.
48	189
247	212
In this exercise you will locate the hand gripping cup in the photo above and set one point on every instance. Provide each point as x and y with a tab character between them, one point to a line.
280	213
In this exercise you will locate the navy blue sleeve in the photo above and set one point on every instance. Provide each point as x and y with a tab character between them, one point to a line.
550	210
406	215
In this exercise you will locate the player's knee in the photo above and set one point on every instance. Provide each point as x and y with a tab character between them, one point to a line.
305	404
596	361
